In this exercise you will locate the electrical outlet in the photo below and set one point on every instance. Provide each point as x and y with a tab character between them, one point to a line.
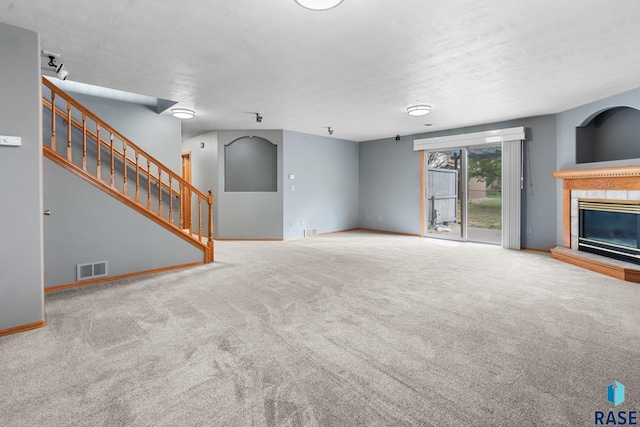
367	217
379	217
529	230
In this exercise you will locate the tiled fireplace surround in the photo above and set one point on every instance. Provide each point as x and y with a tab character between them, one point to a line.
616	183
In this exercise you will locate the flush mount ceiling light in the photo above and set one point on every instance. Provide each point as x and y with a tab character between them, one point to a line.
419	110
319	4
183	113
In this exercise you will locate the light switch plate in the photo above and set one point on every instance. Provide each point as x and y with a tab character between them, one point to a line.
11	141
292	176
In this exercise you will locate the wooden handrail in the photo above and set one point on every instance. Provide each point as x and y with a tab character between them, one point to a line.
105	126
82	127
110	147
105	137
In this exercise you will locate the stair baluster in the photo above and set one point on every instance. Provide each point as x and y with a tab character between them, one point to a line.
68	119
98	154
84	141
137	177
53	121
112	177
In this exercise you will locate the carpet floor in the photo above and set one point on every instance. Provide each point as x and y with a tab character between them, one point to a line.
343	329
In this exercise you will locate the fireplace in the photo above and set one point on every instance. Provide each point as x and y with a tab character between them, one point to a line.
617	188
610	228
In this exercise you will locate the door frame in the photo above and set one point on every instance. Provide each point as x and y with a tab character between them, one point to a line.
462	197
463	190
512	140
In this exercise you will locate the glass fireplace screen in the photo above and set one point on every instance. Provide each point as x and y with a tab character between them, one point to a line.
610	228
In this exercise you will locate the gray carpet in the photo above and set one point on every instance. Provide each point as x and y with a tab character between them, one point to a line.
339	330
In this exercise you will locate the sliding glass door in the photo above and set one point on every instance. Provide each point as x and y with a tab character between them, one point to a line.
444	203
464	194
484	194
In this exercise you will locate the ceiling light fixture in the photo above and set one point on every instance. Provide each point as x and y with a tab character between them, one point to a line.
319	4
183	113
419	110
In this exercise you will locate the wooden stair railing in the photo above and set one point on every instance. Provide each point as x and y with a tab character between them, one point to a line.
151	178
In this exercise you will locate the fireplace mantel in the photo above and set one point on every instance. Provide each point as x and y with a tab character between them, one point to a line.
624	179
617	172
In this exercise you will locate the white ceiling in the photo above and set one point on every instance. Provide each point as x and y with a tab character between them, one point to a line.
355	68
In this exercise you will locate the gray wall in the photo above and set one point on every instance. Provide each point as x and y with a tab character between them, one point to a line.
204	167
566	139
538	200
326	182
21	252
87	224
157	134
390	185
256	215
390	180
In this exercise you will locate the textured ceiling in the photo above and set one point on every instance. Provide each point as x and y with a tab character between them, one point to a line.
355	68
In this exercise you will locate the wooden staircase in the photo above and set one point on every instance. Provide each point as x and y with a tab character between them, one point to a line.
82	143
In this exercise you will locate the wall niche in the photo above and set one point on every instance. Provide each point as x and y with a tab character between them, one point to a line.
613	134
250	165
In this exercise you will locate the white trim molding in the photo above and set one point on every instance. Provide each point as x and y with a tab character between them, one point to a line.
469	139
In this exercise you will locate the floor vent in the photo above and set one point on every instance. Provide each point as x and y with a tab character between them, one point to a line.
311	232
92	270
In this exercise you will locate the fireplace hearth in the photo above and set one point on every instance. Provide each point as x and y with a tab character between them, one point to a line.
610	228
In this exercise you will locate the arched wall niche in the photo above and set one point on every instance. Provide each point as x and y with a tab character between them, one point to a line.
250	165
611	134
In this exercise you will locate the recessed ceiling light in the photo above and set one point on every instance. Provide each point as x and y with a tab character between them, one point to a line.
419	110
318	4
183	113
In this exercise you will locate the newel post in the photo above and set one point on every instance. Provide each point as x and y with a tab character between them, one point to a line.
210	221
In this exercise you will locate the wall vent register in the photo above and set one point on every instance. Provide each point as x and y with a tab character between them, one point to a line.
311	232
92	270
